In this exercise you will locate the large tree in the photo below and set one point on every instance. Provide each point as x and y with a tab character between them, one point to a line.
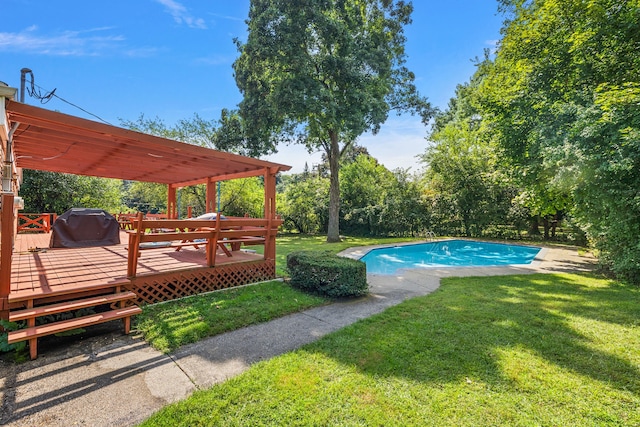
562	98
322	72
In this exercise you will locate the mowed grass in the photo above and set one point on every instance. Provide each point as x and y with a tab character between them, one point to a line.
525	350
170	325
175	323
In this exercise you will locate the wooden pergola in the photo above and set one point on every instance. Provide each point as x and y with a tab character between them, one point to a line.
36	138
56	142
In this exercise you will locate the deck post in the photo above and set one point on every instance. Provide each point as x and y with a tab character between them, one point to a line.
6	252
172	206
134	246
210	205
269	212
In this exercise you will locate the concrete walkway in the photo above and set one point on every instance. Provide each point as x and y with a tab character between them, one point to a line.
116	380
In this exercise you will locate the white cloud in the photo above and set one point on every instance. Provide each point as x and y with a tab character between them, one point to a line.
67	43
227	17
181	15
398	143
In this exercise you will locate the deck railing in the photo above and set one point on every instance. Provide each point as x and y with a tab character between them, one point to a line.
226	234
35	222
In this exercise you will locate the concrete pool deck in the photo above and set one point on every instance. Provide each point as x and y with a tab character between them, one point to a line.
116	380
551	259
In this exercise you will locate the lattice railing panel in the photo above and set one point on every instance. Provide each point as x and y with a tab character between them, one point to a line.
171	285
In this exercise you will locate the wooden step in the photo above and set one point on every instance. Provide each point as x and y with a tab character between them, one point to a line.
45	310
72	288
67	325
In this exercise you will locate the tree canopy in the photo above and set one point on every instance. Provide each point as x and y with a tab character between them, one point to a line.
52	192
322	72
562	101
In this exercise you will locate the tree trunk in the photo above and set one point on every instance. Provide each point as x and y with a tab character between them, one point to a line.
545	223
333	231
533	226
554	225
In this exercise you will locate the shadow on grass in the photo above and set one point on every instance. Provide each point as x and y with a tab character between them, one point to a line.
459	331
173	324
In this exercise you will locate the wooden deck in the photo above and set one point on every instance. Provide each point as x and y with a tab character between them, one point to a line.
39	271
53	285
36	280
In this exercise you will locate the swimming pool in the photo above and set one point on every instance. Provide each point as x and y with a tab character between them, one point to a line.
447	253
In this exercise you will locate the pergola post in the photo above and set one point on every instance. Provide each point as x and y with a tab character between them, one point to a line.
6	251
172	206
210	205
270	211
269	193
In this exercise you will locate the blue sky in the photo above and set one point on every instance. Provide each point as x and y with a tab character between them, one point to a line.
172	58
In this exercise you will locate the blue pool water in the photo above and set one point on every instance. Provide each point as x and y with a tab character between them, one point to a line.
447	253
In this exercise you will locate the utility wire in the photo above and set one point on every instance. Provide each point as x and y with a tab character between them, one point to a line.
79	108
44	98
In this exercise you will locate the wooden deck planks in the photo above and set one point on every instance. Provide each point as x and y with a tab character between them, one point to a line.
49	270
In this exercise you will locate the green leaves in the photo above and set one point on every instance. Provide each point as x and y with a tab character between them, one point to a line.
322	72
562	100
57	192
4	345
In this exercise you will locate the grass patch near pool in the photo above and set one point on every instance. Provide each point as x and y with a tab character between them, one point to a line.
561	349
170	325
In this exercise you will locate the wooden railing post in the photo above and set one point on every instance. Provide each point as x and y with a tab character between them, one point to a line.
6	252
134	246
48	222
269	242
270	212
45	222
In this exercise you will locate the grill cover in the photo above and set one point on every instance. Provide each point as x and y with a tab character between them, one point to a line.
83	227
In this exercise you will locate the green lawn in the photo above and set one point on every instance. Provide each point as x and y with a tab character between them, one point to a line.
510	350
172	324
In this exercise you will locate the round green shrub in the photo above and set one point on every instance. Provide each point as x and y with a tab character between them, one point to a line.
327	274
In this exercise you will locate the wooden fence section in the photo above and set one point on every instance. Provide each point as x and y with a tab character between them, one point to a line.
35	222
